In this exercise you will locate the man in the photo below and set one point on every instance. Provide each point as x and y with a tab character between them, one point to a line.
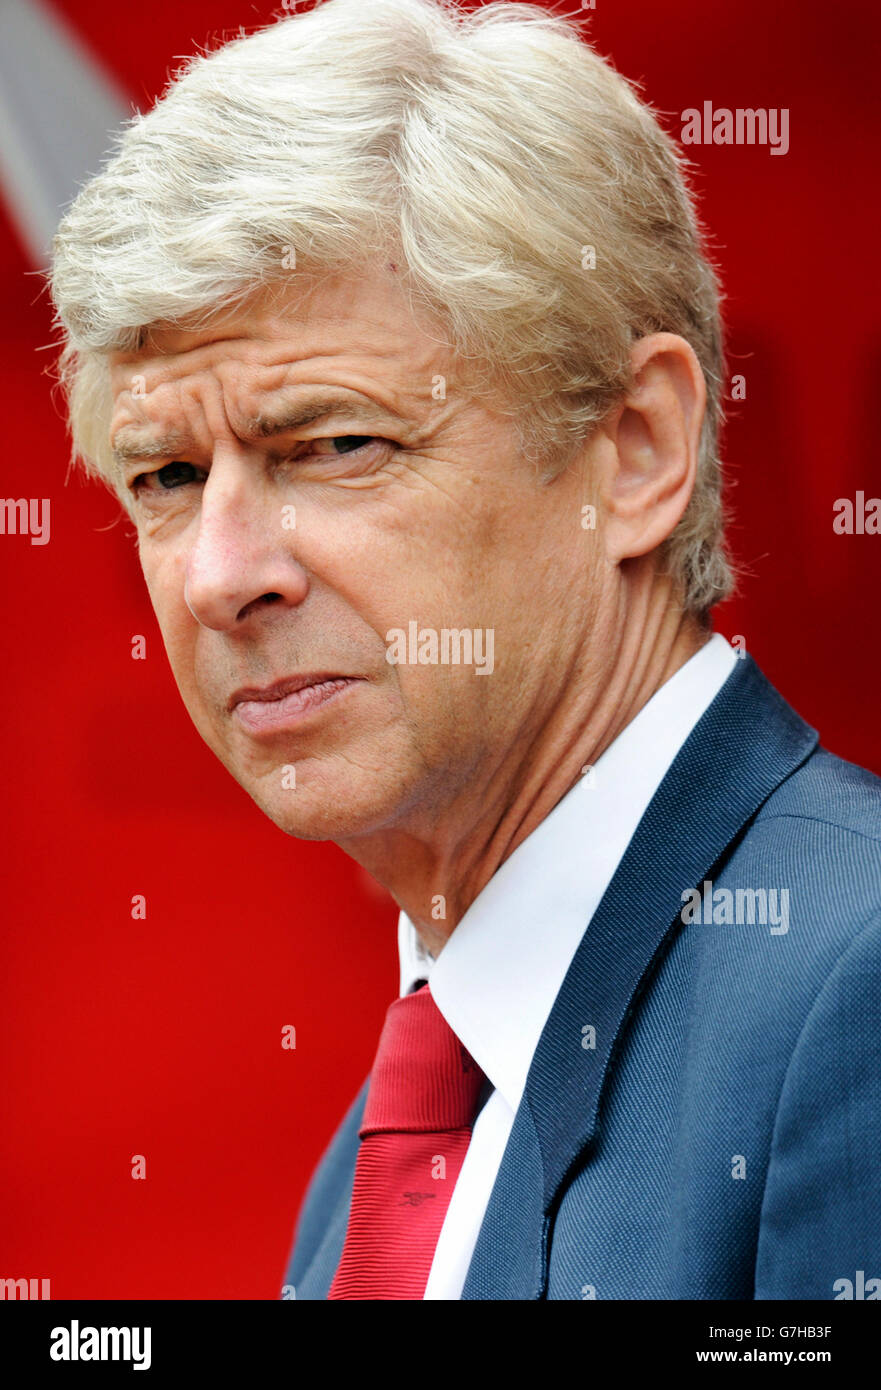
391	327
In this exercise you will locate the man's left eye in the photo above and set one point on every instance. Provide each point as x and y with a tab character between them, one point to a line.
319	451
350	442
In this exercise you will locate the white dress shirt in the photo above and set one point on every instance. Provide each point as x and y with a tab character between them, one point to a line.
497	977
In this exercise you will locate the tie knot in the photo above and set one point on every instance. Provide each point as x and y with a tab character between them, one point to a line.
423	1078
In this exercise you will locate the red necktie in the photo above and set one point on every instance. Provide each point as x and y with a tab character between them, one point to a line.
416	1128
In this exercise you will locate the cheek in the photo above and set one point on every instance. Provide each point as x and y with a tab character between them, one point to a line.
449	706
165	584
387	563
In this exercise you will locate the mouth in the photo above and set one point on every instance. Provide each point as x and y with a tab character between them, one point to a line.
287	702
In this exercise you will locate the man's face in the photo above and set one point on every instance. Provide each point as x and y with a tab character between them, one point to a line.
282	559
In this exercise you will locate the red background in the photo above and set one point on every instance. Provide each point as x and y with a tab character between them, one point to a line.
162	1037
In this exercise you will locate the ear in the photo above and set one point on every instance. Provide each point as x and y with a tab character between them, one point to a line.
648	472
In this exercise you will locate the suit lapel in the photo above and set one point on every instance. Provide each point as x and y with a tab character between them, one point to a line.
318	1277
746	743
334	1178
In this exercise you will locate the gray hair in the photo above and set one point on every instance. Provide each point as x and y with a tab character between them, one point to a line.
542	218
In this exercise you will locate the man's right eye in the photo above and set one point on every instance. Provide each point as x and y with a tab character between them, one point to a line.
169	476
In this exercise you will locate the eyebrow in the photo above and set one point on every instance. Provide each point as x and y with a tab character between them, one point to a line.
263	426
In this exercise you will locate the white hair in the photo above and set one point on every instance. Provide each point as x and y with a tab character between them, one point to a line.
541	216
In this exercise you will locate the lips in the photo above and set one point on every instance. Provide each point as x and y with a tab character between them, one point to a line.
266	709
287	686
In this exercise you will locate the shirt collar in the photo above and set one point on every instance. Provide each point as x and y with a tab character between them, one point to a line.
497	977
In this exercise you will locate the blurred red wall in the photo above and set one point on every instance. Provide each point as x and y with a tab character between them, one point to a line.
162	1037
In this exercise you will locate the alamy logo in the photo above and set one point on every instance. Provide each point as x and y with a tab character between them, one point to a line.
77	1343
861	517
861	1288
724	906
452	646
742	126
24	1288
26	516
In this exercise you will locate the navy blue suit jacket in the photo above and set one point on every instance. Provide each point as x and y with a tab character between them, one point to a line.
722	1137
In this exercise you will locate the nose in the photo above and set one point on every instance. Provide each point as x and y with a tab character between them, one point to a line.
241	559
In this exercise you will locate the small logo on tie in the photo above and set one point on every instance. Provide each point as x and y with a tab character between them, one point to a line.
415	1199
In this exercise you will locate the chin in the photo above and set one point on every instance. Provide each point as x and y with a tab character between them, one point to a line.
314	817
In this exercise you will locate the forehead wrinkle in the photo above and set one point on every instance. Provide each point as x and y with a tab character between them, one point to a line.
210	401
193	404
224	375
290	393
